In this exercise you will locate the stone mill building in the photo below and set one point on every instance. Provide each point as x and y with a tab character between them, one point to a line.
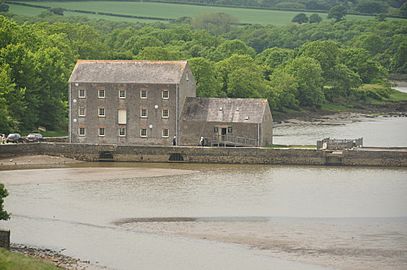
230	121
130	102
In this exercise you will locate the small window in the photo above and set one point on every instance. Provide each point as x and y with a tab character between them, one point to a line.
101	112
143	93
101	132
82	93
144	113
165	133
122	93
143	132
122	117
82	111
101	93
165	113
215	129
165	94
230	129
122	131
82	131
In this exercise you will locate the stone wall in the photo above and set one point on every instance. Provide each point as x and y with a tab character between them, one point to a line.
192	131
91	152
5	239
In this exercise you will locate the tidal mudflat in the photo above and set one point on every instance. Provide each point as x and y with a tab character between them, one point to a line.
125	215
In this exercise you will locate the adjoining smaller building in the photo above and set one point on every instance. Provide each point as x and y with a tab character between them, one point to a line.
226	121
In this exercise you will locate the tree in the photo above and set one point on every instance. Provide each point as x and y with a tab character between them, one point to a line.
4	7
403	10
230	47
7	122
57	11
215	23
380	17
344	80
300	18
315	18
241	77
207	84
326	52
372	6
373	43
284	90
136	43
3	194
272	58
337	12
361	62
159	53
308	74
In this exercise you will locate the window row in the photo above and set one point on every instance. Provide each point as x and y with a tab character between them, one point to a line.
165	94
165	113
122	132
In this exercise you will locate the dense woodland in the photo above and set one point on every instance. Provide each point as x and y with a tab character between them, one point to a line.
295	66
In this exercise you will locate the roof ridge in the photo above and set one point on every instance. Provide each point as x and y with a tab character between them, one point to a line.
229	98
129	61
145	71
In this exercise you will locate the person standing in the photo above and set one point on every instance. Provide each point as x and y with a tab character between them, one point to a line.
202	141
174	140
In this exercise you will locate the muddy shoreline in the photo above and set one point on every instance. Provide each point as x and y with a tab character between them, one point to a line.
55	257
310	115
342	246
36	162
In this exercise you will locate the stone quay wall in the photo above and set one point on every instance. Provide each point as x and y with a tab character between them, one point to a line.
243	155
5	239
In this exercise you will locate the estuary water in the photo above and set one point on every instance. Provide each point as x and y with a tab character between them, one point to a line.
212	216
386	131
191	216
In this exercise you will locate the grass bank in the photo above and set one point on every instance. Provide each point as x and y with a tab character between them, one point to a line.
14	261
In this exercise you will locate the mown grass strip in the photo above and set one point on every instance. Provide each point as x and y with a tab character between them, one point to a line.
14	261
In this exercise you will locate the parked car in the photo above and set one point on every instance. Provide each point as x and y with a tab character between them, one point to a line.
14	138
34	137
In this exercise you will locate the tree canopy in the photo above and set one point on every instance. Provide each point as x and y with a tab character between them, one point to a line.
3	194
293	66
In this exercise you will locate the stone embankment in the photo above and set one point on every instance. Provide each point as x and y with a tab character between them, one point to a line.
388	157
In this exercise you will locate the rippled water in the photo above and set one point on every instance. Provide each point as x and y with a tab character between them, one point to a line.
293	217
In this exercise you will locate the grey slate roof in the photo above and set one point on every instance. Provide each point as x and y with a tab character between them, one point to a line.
128	71
227	110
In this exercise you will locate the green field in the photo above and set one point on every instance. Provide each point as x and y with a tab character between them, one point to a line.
161	10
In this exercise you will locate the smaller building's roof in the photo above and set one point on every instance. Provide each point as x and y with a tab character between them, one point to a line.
128	71
227	110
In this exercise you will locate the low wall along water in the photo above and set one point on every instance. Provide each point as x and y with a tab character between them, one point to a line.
91	152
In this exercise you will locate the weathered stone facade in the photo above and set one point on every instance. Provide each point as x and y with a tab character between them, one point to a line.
128	102
237	121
